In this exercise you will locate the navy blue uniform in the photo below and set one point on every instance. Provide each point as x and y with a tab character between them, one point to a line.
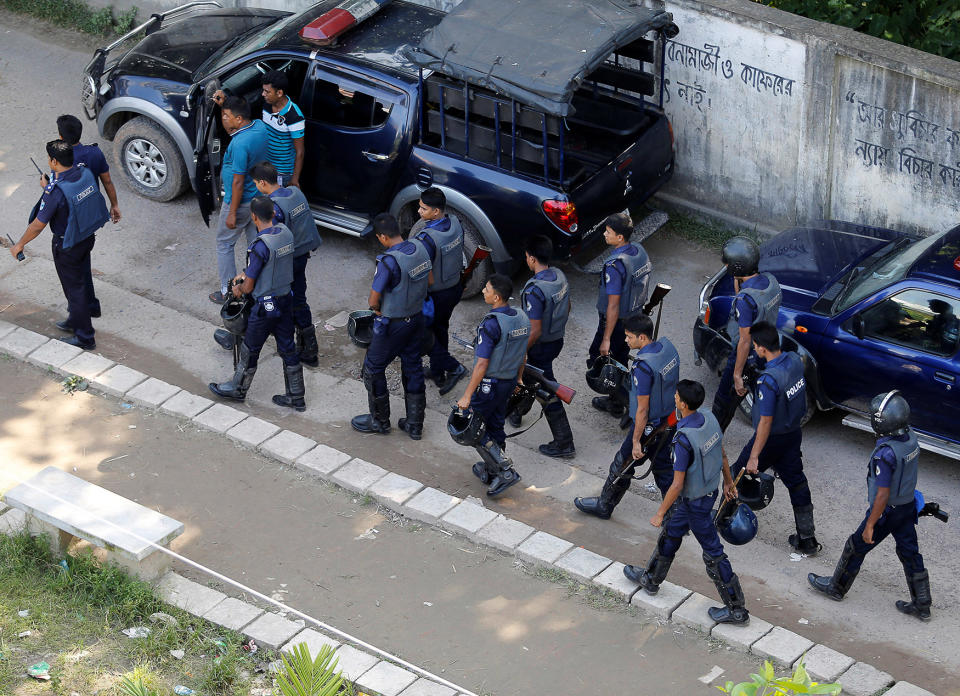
444	302
490	398
613	281
271	314
300	308
91	157
542	354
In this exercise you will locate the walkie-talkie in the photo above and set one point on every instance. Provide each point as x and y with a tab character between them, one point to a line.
20	256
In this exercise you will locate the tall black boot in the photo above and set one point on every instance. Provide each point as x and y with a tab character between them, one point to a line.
837	585
413	423
236	388
498	468
561	447
295	388
614	488
805	540
307	346
920	599
734	609
378	419
658	566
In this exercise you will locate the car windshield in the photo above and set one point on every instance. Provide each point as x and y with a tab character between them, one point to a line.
886	270
252	40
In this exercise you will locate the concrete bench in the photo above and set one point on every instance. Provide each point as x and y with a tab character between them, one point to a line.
64	506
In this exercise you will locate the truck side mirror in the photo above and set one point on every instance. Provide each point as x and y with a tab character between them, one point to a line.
857	325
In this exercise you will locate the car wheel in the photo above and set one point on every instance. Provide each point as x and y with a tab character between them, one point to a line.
150	160
746	408
471	240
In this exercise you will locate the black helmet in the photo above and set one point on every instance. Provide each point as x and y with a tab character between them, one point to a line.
756	490
889	414
360	327
520	403
465	427
742	256
604	377
234	313
738	525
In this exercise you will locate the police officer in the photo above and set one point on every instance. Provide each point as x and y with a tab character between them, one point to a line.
497	365
758	299
267	280
699	463
442	236
397	295
75	209
778	410
622	294
90	156
546	301
653	385
891	485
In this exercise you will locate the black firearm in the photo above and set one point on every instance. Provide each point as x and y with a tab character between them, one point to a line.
628	467
933	510
656	300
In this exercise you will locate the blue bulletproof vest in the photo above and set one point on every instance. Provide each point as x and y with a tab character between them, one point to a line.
87	208
298	218
706	463
448	263
277	273
768	307
791	389
406	299
511	348
633	294
904	480
556	308
665	366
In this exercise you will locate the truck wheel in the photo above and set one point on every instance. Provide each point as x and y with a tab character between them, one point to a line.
471	240
746	408
149	159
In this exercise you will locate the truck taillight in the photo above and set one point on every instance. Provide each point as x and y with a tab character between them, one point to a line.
563	214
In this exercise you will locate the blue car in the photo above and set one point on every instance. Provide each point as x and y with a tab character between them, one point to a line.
868	310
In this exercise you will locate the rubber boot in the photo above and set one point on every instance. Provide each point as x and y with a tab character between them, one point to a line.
561	447
378	419
307	346
451	379
225	339
920	600
416	405
608	404
295	388
837	585
613	491
805	540
499	467
236	388
734	609
649	578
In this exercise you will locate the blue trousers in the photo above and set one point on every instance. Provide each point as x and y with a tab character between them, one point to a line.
662	463
76	279
782	454
444	302
619	351
900	521
393	338
279	323
726	400
541	355
490	402
302	317
697	516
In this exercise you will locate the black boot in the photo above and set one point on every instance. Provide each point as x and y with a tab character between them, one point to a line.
561	447
498	467
734	609
378	419
236	388
649	578
837	585
295	388
805	540
413	423
609	405
920	600
307	346
225	339
451	379
614	488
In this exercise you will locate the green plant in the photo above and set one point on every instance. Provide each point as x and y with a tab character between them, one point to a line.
302	675
134	687
75	14
768	684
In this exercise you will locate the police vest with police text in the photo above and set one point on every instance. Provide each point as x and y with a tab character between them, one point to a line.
706	462
87	210
406	299
904	480
664	365
277	273
767	301
556	308
510	350
791	390
448	263
298	218
633	293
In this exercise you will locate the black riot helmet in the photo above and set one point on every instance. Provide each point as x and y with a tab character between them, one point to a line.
756	490
889	414
235	312
360	327
742	256
465	427
603	376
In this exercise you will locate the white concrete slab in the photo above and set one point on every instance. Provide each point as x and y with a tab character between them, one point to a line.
286	446
864	680
151	393
87	365
467	518
118	380
662	604
188	595
353	663
13	522
614	580
322	461
53	354
582	563
505	533
429	505
219	418
314	641
781	646
185	404
543	549
21	342
271	631
742	637
825	664
393	490
232	613
693	612
358	475
907	689
425	687
6	327
386	679
252	431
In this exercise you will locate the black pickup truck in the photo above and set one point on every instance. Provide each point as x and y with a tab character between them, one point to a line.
534	118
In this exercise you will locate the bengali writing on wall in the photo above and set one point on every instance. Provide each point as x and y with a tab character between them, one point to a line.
921	148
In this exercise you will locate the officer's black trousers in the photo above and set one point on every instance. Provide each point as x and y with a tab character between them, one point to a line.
278	322
490	402
76	279
782	454
899	521
697	516
302	318
394	338
542	355
444	302
662	462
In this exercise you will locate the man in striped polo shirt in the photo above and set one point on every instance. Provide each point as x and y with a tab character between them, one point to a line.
286	127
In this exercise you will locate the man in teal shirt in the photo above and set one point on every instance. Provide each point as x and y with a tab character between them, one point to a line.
248	146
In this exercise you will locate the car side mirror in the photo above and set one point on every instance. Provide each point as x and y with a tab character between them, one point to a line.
857	325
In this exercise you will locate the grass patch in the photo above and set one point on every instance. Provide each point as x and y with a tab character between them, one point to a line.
705	232
77	15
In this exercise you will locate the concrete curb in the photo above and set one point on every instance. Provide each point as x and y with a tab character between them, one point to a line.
436	507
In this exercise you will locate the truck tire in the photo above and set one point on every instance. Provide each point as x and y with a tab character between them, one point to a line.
471	240
149	160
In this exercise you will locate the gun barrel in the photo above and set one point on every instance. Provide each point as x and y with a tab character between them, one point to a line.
659	293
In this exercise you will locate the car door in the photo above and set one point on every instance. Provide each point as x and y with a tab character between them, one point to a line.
355	130
905	338
207	151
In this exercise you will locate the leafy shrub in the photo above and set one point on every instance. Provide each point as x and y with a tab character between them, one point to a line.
75	14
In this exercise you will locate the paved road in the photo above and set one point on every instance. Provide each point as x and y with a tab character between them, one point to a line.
156	267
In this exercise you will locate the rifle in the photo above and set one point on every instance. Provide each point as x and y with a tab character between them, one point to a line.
933	510
479	255
544	388
668	422
656	300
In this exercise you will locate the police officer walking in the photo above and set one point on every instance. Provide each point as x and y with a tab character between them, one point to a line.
397	294
622	294
499	352
699	464
891	485
653	385
91	156
778	411
546	300
75	209
758	299
267	280
442	236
